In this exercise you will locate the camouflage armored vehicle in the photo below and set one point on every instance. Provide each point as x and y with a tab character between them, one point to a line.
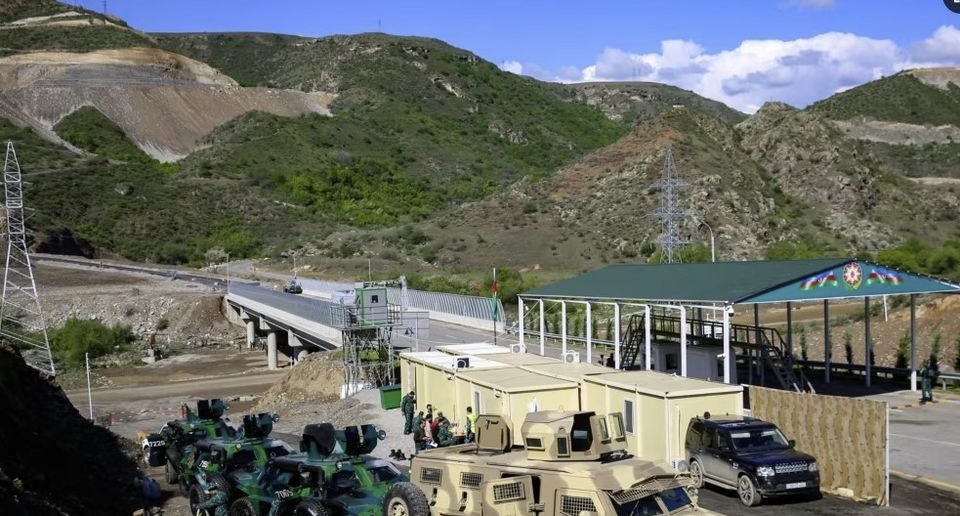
213	460
333	474
573	464
167	447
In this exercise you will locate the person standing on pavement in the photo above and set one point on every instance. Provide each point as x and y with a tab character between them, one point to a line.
471	425
407	406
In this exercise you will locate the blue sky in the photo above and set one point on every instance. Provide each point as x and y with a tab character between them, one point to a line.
804	57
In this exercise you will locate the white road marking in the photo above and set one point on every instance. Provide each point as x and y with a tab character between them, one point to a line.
927	440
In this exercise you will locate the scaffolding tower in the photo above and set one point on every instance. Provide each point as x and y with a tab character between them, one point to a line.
366	324
21	315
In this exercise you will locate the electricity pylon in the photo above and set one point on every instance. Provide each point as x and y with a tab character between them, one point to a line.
21	316
670	213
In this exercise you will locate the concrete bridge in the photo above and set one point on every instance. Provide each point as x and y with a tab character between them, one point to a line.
293	325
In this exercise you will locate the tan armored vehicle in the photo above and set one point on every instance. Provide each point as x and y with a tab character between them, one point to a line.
573	464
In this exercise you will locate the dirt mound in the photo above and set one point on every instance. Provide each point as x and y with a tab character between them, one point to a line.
166	103
316	378
53	460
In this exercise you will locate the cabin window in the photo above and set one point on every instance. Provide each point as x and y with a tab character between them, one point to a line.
431	476
628	416
534	443
563	450
574	505
471	480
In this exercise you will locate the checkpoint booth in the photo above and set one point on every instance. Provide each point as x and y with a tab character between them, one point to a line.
657	407
513	393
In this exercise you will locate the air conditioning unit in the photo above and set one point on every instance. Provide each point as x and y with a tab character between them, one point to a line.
571	357
461	362
518	348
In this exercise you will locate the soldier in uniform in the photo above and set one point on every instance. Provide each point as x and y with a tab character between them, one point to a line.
407	406
444	435
217	501
928	375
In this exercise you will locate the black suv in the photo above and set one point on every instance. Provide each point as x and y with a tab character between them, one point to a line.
749	455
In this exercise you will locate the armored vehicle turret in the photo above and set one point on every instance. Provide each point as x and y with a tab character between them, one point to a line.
572	463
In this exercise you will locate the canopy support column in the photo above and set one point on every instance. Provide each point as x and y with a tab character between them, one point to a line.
646	336
683	341
616	335
563	327
520	321
727	363
913	342
868	343
760	355
589	327
543	337
790	335
826	340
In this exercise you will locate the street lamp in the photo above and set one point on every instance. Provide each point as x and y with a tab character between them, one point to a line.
713	249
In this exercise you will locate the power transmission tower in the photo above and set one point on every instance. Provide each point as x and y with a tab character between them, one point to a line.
21	316
670	212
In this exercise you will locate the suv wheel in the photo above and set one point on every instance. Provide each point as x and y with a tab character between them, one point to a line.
310	507
747	491
696	474
172	476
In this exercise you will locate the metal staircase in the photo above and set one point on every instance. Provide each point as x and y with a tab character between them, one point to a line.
766	341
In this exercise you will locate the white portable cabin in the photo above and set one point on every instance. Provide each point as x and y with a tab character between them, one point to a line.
657	407
430	375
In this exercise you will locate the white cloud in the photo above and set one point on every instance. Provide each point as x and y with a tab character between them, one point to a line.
798	71
512	66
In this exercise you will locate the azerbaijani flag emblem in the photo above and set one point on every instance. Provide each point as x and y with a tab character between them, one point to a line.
824	279
883	276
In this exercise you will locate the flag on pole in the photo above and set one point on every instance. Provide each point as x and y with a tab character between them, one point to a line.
494	304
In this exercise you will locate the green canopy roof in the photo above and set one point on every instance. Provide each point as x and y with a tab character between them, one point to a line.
741	282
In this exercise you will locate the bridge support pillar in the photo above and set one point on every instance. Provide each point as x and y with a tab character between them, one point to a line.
272	349
251	333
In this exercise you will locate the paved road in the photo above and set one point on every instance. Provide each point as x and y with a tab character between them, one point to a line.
925	440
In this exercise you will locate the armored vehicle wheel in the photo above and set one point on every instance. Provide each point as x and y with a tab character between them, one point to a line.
310	508
747	491
696	474
405	499
196	497
171	473
243	507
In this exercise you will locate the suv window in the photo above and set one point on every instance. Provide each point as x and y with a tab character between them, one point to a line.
694	434
710	438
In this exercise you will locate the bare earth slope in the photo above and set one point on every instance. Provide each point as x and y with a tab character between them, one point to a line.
164	102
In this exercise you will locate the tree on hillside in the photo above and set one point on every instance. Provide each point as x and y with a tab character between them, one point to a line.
77	337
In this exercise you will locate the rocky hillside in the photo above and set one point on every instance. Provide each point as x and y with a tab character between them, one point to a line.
634	102
422	155
911	120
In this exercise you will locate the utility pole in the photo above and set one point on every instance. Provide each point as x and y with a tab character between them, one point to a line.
670	212
21	315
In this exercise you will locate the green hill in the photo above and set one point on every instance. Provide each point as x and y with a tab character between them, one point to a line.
427	117
898	98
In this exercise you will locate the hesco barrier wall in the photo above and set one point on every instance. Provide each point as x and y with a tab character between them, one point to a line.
848	436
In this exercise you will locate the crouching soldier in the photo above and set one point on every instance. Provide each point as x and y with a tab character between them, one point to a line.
216	503
444	435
